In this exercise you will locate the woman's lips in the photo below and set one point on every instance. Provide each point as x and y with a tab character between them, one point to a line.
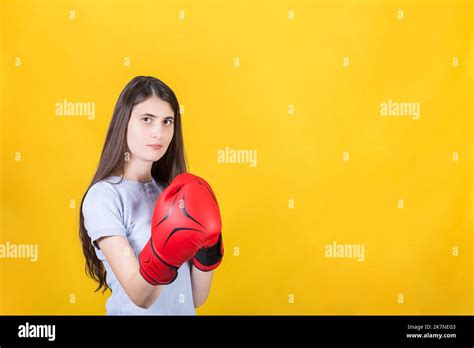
156	147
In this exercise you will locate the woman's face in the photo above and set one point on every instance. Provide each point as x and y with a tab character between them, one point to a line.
151	123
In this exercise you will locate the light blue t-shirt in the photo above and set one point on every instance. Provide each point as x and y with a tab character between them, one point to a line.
125	209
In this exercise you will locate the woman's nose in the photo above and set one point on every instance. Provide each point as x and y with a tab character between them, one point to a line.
156	132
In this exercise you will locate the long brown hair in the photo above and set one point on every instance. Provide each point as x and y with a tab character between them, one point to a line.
115	147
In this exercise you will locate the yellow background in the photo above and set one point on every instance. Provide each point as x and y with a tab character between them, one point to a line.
283	62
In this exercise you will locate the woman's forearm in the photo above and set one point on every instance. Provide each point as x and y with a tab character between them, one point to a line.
126	267
201	283
142	293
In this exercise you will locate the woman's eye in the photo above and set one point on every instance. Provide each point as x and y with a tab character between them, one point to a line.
170	121
146	118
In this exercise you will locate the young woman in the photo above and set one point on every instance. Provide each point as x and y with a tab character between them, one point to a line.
143	152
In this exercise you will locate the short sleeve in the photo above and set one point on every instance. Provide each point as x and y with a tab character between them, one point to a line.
103	212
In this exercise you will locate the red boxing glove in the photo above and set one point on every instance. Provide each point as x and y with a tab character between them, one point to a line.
185	218
210	256
208	259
